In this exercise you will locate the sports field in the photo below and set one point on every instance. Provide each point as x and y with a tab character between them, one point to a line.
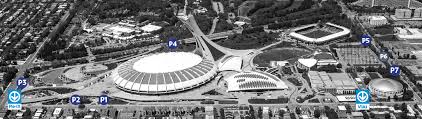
317	34
278	54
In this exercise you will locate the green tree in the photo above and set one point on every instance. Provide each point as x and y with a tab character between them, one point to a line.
317	113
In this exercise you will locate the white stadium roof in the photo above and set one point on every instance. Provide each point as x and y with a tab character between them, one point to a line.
163	73
386	85
167	62
345	31
254	81
377	18
308	62
150	28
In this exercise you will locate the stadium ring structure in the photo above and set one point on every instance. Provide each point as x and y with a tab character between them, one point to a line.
344	32
164	73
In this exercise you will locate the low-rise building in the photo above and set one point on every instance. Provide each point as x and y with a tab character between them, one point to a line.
335	83
377	20
325	58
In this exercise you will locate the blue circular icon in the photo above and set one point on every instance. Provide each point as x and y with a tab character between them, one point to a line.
362	96
172	43
395	70
75	99
365	40
103	99
14	96
383	56
22	83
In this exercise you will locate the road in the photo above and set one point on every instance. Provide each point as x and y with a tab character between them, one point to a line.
21	70
28	62
217	7
214	24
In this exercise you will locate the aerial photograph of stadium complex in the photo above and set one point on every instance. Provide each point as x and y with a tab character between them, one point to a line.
211	59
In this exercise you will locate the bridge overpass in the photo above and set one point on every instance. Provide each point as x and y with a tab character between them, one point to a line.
214	36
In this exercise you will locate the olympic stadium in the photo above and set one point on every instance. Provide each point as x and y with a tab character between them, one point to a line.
163	73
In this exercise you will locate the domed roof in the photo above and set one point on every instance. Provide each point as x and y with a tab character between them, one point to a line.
308	62
163	73
386	85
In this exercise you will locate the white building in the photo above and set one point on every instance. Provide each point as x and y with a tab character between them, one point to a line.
377	20
150	28
403	13
325	58
408	33
250	81
335	83
306	63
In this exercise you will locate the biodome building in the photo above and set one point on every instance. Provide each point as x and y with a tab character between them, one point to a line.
384	88
163	73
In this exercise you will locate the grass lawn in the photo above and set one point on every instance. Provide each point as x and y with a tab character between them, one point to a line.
248	41
278	54
317	34
245	7
52	77
295	5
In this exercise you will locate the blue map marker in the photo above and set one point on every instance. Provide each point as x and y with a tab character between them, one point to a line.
395	70
103	99
75	99
172	43
363	98
383	56
365	40
21	83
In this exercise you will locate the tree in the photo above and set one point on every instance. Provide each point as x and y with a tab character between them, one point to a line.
396	97
270	113
407	95
328	68
366	81
413	57
403	108
339	65
252	111
365	115
281	113
387	116
26	74
298	111
359	69
292	116
222	114
81	106
317	113
9	75
348	109
370	69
